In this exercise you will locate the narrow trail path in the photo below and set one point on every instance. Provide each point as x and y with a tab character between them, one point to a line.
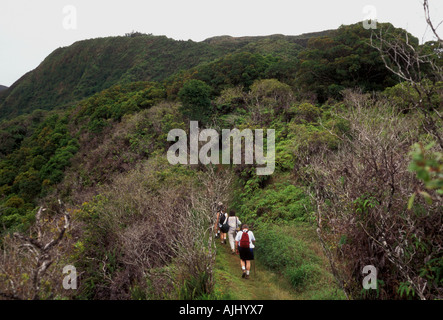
262	284
265	284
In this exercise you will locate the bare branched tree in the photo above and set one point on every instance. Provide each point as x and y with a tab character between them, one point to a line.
361	193
430	22
31	254
157	232
217	184
418	68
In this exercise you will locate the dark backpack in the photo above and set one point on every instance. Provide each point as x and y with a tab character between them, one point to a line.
244	241
222	218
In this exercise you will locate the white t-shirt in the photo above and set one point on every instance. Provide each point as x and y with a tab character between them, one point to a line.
251	238
234	222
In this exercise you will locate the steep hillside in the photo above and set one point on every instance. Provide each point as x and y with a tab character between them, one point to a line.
90	66
347	192
300	40
3	88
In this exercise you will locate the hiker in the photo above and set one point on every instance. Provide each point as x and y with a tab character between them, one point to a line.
234	226
222	216
245	243
217	223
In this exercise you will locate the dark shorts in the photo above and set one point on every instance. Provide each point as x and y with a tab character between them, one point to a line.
246	253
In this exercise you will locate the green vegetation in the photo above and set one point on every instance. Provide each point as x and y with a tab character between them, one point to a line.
345	60
195	97
90	66
354	184
34	165
279	202
288	266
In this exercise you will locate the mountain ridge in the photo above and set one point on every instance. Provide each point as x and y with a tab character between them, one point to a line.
90	66
72	73
299	37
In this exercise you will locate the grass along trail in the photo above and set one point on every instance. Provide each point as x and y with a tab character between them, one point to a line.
262	284
265	284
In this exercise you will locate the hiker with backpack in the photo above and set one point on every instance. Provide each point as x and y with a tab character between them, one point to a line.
217	220
245	244
234	226
222	218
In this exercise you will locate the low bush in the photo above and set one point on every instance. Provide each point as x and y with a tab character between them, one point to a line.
290	256
298	276
278	202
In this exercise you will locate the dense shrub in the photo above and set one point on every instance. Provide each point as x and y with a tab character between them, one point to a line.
278	202
405	97
195	97
362	192
304	112
301	275
279	251
343	60
150	235
33	168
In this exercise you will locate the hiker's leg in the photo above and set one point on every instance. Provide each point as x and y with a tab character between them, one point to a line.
231	239
248	268
243	268
243	264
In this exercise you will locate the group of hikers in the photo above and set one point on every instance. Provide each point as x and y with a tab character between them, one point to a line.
241	239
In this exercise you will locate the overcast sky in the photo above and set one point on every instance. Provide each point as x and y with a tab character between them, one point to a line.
31	29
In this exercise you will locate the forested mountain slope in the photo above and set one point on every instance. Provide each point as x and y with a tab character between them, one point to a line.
357	180
90	66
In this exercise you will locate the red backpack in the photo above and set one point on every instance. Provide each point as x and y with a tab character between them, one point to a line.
244	241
